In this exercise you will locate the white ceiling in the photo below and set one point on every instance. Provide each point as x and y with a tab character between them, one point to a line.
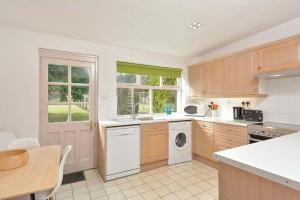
152	25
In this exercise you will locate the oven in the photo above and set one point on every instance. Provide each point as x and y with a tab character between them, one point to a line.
252	138
267	130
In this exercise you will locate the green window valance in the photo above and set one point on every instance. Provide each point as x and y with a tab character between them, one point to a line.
151	70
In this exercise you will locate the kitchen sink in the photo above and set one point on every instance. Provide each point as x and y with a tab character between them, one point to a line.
145	118
126	120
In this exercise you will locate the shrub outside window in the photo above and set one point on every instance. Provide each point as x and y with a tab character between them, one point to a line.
148	94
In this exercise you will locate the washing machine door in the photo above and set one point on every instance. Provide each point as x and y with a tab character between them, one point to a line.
180	141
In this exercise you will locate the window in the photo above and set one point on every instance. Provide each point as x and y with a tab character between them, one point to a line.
147	89
68	93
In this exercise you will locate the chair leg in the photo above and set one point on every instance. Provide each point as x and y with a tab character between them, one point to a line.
52	198
32	196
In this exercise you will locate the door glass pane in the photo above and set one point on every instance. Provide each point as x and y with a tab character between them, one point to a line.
80	94
169	81
141	101
150	80
126	78
58	113
124	101
163	98
80	75
57	73
80	112
57	93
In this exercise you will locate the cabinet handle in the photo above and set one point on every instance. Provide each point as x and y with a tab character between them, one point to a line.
259	68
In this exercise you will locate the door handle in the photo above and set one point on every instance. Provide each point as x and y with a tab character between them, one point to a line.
90	125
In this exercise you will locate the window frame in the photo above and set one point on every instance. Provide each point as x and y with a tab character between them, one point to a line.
139	85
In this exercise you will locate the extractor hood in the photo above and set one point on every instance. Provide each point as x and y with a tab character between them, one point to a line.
277	74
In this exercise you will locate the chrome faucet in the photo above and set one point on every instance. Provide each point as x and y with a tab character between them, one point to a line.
133	111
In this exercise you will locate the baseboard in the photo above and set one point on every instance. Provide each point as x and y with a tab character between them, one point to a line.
206	161
154	165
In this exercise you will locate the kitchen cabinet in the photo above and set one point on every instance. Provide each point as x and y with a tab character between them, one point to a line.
154	142
229	136
206	80
214	79
196	83
279	57
203	139
239	74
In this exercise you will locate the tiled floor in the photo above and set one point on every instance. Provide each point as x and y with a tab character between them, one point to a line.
188	181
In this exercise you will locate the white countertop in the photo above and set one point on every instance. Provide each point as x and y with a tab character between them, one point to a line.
277	159
224	121
170	118
130	121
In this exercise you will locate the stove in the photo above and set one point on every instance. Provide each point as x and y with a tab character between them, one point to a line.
267	130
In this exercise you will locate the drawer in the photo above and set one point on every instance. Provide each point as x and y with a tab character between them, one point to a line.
203	131
230	139
231	129
160	126
219	146
204	125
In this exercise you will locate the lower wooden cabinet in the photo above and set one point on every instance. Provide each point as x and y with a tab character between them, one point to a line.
154	142
203	139
229	136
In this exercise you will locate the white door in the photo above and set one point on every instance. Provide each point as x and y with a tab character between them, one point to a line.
67	109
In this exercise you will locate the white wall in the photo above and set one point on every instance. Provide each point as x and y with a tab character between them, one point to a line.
19	75
283	102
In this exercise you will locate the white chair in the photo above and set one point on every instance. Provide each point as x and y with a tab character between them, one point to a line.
5	139
24	143
47	195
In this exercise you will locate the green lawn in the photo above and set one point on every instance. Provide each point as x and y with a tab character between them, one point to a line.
59	113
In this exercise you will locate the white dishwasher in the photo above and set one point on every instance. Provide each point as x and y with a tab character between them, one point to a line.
123	151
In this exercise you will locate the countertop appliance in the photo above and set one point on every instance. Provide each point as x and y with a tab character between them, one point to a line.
123	151
195	110
238	113
268	130
180	142
253	115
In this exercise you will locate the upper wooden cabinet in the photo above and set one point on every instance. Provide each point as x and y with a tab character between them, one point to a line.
279	57
239	74
206	80
196	75
214	79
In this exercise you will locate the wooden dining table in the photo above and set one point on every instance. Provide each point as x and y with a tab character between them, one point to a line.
39	174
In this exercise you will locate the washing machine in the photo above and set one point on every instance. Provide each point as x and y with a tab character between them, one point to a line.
180	142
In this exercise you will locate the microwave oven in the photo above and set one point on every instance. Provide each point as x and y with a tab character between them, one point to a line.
194	110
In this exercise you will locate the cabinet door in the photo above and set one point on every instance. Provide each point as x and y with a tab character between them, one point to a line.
204	145
214	79
154	146
196	82
239	74
279	57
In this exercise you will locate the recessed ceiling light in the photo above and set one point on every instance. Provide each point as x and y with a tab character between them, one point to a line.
194	25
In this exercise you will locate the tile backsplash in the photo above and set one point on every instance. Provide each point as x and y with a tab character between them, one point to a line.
282	104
